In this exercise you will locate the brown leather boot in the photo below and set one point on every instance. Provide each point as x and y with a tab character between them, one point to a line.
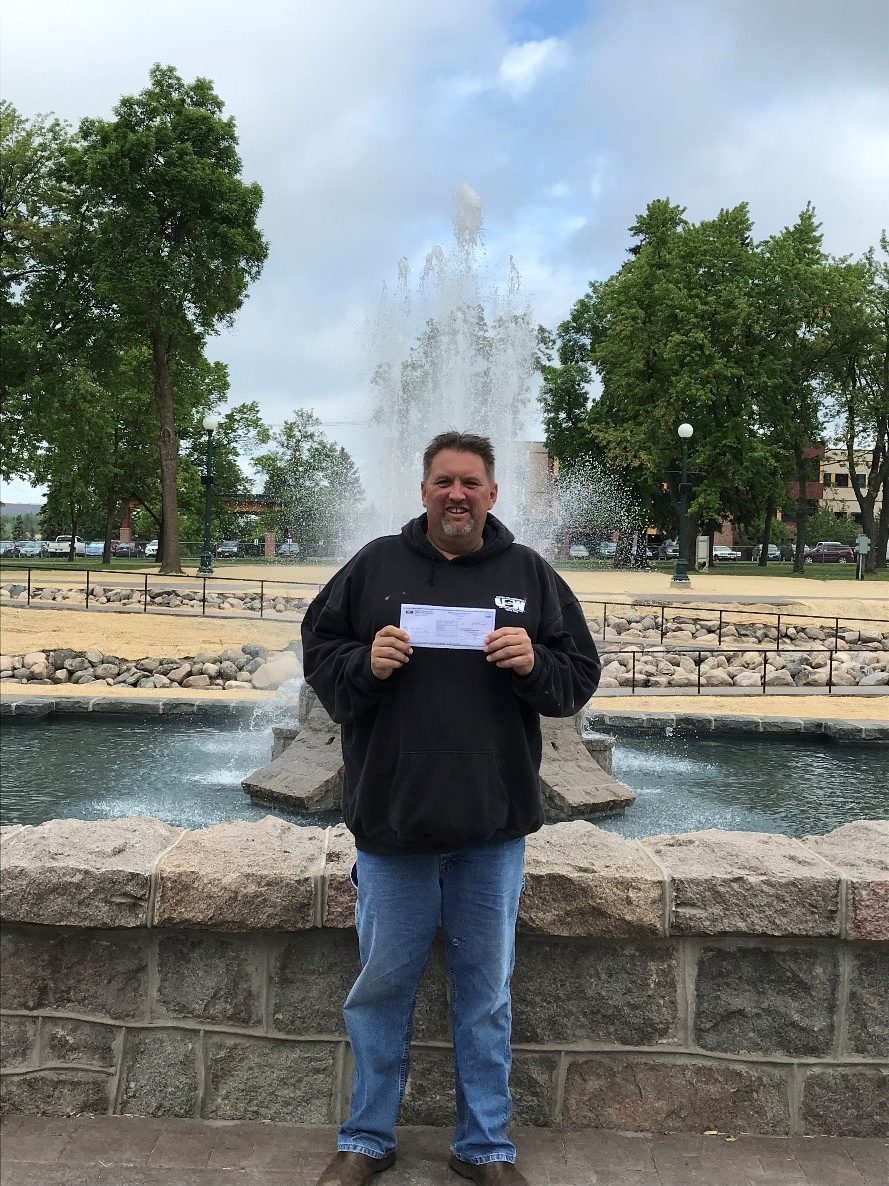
492	1173
354	1169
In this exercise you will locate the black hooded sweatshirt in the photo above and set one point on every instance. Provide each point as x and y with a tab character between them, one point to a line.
446	752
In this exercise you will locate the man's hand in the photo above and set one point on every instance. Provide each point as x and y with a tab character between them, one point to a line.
389	650
510	646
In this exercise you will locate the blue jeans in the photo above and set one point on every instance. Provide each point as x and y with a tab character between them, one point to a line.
474	893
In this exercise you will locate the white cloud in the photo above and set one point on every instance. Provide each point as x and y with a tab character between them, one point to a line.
524	65
360	119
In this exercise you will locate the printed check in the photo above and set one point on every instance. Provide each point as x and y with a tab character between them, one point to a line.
447	627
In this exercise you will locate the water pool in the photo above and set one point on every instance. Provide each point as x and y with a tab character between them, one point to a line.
189	774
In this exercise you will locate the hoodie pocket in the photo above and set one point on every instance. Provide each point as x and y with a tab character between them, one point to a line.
447	797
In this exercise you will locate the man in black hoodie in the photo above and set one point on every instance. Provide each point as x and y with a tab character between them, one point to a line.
441	749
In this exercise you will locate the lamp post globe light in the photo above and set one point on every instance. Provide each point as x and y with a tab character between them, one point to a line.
211	423
680	576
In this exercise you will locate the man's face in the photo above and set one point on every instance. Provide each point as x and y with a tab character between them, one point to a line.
457	496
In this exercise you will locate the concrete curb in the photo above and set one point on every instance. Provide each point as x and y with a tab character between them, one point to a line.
41	708
695	724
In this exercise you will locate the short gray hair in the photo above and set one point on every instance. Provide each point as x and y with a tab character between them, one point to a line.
463	442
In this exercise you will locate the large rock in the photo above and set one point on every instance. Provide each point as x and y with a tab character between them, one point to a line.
746	883
339	895
572	782
277	670
625	994
56	1093
308	775
867	1024
159	1074
639	1095
251	1079
87	873
49	971
210	978
243	877
67	1040
18	1037
756	1000
581	880
860	853
846	1102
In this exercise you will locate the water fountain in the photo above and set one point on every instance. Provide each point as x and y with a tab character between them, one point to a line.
453	350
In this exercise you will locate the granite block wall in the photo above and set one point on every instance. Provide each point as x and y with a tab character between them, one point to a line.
717	980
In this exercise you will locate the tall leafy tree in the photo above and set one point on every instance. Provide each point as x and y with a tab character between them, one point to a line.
859	383
316	484
797	290
174	238
674	335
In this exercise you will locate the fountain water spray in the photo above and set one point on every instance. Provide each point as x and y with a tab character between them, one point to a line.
457	349
454	350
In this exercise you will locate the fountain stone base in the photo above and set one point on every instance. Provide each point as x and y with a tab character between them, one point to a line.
306	770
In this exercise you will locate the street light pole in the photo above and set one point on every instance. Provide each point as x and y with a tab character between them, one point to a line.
680	576
211	423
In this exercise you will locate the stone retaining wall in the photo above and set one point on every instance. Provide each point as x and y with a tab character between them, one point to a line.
716	980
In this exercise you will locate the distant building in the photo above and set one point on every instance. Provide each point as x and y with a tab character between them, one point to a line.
839	492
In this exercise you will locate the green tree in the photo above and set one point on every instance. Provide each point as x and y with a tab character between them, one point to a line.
824	524
859	383
38	230
316	484
797	290
174	240
674	335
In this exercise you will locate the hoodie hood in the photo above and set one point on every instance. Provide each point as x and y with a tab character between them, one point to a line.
496	538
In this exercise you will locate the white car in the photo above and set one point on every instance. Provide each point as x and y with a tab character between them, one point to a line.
151	548
578	552
722	552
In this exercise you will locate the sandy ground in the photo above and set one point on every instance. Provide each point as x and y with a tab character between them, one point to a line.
857	708
133	636
137	635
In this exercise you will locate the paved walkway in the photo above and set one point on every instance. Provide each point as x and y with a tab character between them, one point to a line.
120	1151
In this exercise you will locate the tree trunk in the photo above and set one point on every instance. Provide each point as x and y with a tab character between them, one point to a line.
110	507
866	500
168	543
72	546
882	534
766	537
802	512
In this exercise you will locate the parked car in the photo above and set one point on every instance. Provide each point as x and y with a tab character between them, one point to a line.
289	548
229	548
669	549
830	551
95	547
151	548
30	549
7	547
126	548
578	552
773	554
61	546
723	552
606	550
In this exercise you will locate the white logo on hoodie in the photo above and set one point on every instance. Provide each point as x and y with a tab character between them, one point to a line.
515	605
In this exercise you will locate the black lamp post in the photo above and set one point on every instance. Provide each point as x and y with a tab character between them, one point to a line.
680	576
211	423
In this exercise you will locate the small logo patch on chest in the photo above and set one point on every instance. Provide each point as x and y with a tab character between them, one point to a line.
515	605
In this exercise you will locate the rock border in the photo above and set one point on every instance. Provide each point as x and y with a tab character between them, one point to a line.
233	669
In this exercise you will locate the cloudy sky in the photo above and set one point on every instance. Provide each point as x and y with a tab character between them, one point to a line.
360	118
